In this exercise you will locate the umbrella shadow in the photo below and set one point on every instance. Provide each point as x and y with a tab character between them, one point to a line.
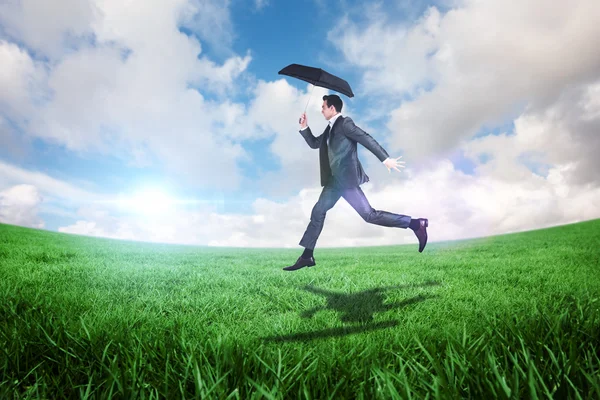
360	307
357	309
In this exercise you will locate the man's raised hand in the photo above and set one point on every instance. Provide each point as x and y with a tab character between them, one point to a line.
393	163
303	121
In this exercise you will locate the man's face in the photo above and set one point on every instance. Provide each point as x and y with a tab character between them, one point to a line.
328	112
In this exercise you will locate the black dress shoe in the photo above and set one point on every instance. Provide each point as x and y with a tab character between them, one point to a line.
301	263
421	233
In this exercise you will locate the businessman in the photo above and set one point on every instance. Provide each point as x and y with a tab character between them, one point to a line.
341	176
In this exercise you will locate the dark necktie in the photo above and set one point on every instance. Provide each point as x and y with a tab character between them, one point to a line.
324	158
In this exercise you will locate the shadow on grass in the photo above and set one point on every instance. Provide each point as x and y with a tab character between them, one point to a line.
361	306
331	332
355	308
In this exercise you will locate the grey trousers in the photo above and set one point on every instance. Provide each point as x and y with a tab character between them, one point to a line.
357	199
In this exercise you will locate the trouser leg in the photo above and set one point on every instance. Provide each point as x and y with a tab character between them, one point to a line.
329	196
357	199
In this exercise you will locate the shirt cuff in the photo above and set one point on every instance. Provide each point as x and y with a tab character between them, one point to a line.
306	127
385	160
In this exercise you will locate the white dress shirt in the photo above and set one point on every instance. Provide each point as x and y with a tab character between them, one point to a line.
332	119
331	122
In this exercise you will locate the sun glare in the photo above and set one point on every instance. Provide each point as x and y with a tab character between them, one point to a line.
148	202
153	202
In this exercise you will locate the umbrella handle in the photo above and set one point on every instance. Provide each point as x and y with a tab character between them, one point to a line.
306	106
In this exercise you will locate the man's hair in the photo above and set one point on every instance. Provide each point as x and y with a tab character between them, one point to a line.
334	100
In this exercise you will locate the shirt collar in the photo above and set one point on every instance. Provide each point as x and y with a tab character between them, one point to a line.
334	118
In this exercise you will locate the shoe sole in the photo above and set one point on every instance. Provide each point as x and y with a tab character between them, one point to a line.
296	269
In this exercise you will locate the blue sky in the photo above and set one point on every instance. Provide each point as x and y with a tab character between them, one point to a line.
101	104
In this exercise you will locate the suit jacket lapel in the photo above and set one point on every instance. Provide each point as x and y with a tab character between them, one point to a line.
326	135
335	124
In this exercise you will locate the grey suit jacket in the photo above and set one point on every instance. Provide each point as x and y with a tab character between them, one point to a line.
346	170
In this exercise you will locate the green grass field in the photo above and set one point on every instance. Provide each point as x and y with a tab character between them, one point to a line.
512	316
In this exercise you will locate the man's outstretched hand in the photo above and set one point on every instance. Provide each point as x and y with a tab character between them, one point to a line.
393	163
303	121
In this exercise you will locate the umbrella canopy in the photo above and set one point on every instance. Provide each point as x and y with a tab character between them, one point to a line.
318	77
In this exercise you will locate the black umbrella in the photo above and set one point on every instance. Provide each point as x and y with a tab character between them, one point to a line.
317	77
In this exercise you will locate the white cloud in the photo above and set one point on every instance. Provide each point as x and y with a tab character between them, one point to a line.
20	81
474	66
19	206
48	27
563	134
130	94
220	79
211	21
394	57
11	175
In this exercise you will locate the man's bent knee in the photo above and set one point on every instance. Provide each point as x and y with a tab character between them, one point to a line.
368	215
